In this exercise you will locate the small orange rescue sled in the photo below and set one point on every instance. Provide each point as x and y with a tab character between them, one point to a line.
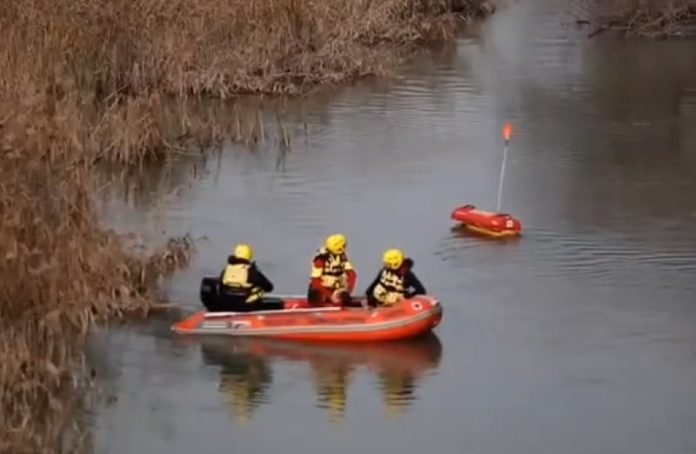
407	319
486	222
492	224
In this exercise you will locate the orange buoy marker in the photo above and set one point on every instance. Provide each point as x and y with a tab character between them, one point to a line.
492	224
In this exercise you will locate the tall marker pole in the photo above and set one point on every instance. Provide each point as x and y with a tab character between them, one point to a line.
507	132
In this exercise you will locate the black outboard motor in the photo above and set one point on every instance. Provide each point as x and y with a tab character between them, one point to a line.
210	294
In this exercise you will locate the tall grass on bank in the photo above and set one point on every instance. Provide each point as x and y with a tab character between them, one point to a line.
225	47
648	18
60	272
124	58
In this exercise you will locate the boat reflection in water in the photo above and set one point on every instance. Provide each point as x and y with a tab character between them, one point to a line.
247	376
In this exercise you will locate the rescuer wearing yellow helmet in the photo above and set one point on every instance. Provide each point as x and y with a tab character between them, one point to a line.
395	281
242	284
333	276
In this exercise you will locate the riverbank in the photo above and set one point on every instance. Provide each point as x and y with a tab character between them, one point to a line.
656	19
121	61
230	48
62	273
87	82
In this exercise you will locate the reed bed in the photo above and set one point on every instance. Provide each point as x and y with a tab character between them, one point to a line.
62	273
87	82
224	48
231	47
126	59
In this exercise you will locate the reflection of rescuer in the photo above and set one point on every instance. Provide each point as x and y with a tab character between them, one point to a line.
245	382
331	380
333	277
397	391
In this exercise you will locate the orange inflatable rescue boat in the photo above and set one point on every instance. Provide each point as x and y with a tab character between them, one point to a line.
407	319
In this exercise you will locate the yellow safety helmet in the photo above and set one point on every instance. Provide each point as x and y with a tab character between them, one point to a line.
244	252
393	258
336	244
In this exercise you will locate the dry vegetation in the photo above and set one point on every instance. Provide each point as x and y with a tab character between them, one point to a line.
648	18
124	59
224	47
60	271
83	82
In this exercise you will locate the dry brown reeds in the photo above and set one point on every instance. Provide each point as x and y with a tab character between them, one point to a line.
647	18
125	58
60	271
84	81
225	48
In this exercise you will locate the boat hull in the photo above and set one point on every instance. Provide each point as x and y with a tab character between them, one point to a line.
407	319
495	225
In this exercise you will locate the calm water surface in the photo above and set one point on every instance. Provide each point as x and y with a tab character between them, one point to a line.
578	338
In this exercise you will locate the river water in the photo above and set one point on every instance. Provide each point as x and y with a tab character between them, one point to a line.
580	337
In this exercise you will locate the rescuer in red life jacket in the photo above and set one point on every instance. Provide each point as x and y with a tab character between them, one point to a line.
333	277
395	281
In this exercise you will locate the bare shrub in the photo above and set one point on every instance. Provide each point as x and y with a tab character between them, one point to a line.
648	18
